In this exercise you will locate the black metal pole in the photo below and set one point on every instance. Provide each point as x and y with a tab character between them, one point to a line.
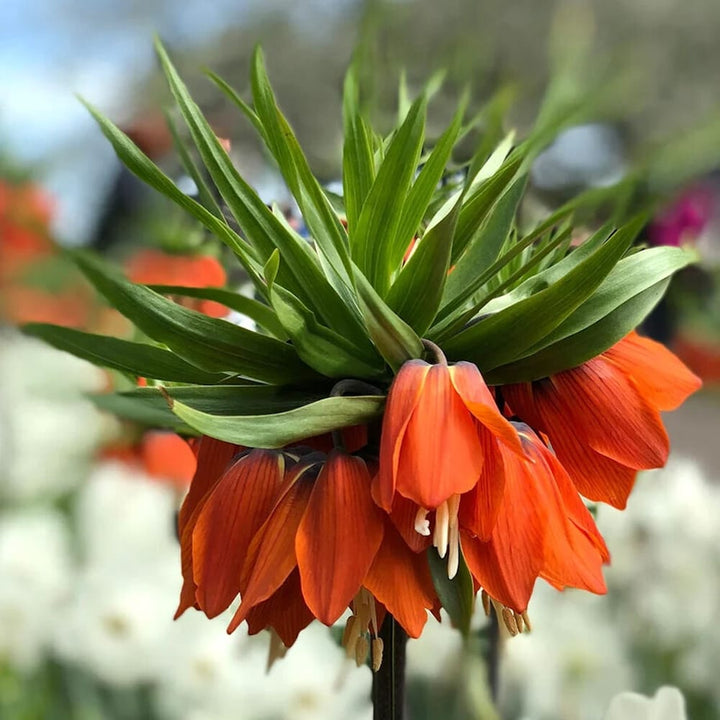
388	689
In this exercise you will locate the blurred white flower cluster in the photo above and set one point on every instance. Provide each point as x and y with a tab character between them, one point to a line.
90	571
655	625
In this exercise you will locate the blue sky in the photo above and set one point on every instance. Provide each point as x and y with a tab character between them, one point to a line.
52	49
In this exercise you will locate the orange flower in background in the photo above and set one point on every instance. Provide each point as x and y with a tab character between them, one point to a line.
155	267
603	417
543	529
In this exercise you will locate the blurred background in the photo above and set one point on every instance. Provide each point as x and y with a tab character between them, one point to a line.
89	571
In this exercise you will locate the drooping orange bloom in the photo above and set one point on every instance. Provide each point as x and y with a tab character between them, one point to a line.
298	538
542	529
603	417
162	455
155	267
436	419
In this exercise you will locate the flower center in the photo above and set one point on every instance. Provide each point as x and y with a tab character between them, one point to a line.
446	536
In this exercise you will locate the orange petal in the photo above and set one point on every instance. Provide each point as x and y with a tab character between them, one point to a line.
285	611
402	398
213	457
479	508
234	511
440	453
574	549
478	399
338	536
271	556
596	477
602	408
400	579
508	565
403	515
660	376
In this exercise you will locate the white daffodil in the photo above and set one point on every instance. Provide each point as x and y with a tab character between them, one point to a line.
667	704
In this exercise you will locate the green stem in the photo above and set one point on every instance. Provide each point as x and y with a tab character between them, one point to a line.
388	689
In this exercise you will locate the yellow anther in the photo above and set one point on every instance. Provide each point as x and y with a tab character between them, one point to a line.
377	653
361	650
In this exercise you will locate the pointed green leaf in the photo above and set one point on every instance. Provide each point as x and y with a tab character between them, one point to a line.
630	277
483	249
377	227
207	199
301	273
214	345
150	411
415	295
321	348
395	340
423	189
480	200
358	163
584	345
318	214
148	172
138	359
257	312
279	429
457	596
505	336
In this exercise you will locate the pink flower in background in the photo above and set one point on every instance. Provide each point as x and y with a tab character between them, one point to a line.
684	219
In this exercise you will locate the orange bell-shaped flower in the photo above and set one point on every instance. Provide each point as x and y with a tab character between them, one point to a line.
431	446
603	417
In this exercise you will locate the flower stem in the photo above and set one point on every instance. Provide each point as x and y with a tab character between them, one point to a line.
388	689
437	353
492	658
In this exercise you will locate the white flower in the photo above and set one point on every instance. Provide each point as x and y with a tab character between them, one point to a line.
573	660
48	432
668	704
35	570
124	517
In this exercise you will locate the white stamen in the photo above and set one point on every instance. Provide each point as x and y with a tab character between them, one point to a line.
454	549
453	536
440	538
422	524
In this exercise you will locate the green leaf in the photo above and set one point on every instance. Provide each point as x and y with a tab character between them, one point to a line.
149	405
235	97
253	309
138	359
317	211
630	277
377	226
246	399
214	345
148	172
423	189
457	596
205	194
279	429
505	336
301	273
483	249
584	345
152	411
416	293
328	352
396	341
358	163
479	200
